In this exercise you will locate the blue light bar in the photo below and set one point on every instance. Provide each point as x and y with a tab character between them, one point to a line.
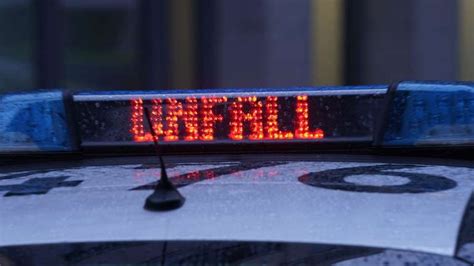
417	114
32	122
430	114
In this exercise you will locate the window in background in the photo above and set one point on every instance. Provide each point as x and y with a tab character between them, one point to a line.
16	45
254	43
101	44
182	35
466	43
389	41
327	37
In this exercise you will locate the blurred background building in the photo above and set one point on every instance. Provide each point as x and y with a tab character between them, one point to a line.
160	44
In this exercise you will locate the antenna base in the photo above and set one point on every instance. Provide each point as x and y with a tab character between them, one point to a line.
165	198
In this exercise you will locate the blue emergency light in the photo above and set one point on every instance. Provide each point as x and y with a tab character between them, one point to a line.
409	114
34	122
430	114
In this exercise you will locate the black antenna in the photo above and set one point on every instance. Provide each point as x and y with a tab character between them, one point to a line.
166	196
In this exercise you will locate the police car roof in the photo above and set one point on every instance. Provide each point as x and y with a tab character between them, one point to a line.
346	200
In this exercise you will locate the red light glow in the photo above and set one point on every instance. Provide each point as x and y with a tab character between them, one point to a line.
238	117
189	115
156	113
302	117
260	117
271	125
191	119
209	119
137	130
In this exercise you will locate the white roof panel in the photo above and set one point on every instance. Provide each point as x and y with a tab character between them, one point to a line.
250	203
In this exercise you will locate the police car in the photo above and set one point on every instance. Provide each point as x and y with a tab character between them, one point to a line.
367	175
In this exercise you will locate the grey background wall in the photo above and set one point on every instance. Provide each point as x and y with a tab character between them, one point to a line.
150	44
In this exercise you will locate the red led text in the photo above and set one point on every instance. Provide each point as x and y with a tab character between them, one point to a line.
247	117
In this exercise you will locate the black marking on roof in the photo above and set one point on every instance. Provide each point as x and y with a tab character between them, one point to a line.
197	176
38	186
419	183
466	233
22	174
